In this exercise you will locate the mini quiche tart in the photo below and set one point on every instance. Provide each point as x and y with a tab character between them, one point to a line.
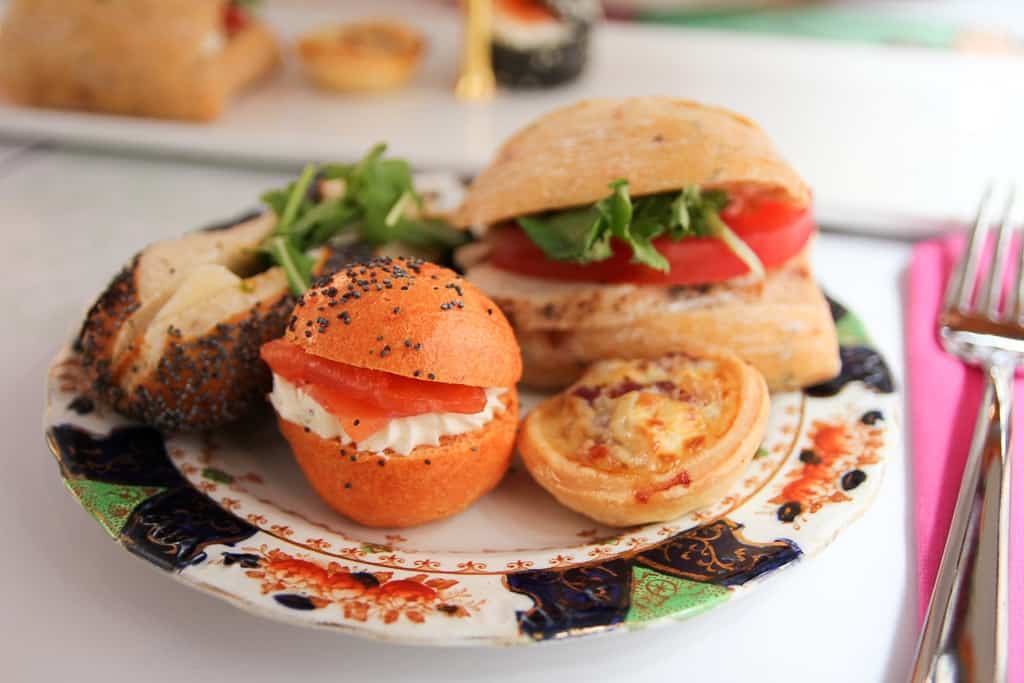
362	57
642	441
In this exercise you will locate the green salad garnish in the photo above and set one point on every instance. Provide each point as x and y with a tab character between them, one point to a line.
583	235
373	198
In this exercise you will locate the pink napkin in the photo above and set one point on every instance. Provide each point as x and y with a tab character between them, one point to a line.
944	398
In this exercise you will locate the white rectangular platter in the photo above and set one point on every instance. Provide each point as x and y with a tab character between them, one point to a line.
898	141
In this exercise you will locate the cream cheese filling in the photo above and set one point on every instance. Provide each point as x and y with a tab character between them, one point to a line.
400	436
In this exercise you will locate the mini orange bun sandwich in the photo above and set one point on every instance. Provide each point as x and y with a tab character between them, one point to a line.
395	387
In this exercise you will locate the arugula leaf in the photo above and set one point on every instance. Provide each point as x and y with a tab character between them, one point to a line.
378	202
583	235
431	233
297	266
617	210
703	220
321	222
296	198
574	235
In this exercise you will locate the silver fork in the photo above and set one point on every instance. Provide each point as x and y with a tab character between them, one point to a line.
965	630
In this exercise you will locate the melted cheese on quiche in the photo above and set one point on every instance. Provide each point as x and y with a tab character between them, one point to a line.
644	417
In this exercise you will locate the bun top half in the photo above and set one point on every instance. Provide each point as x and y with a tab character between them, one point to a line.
411	318
659	144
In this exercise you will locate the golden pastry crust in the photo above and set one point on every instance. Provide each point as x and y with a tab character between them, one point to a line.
430	483
362	57
659	144
133	57
634	442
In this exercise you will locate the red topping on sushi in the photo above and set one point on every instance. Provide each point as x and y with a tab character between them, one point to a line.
527	11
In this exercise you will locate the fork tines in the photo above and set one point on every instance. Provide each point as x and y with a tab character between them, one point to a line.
996	211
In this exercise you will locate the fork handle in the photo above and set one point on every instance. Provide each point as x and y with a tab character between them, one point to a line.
965	629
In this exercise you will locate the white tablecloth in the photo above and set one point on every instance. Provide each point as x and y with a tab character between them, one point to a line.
77	607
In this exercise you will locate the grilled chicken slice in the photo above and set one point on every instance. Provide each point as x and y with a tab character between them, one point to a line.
782	324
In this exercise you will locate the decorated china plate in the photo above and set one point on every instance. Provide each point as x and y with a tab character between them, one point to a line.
231	514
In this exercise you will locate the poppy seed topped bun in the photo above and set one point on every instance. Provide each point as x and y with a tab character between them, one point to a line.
411	318
659	144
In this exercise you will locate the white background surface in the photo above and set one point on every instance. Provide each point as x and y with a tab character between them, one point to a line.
916	129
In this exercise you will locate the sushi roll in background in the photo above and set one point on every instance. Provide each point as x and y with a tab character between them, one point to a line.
541	43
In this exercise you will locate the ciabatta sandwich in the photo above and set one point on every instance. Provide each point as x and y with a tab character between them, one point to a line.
634	228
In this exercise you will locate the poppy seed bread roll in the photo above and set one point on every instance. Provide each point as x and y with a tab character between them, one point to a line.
174	339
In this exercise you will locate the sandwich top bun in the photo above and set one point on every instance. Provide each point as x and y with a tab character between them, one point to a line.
411	318
658	144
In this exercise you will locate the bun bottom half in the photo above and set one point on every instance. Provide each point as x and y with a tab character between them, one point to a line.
431	483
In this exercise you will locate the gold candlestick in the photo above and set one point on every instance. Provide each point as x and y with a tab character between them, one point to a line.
476	77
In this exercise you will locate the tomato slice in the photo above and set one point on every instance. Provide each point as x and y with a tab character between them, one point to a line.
774	231
363	399
235	19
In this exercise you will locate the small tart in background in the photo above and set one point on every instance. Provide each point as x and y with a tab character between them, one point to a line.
642	441
362	57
